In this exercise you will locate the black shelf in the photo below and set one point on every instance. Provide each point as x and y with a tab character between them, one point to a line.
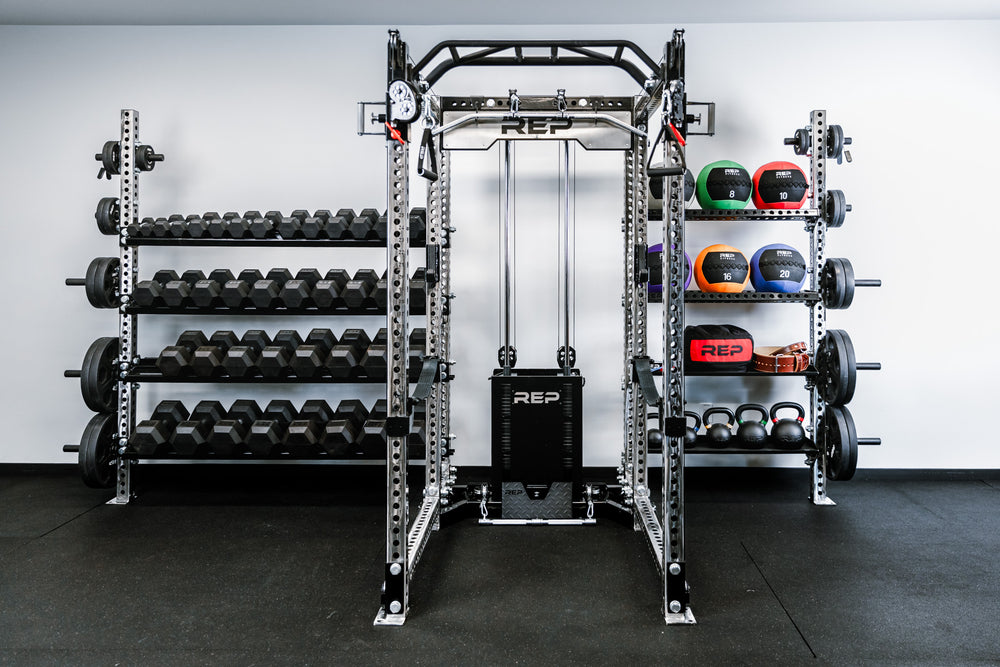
696	296
261	243
146	371
416	308
750	214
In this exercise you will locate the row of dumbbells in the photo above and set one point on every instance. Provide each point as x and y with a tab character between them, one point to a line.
337	290
344	225
350	431
352	356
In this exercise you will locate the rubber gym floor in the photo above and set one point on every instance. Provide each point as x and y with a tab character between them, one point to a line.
222	568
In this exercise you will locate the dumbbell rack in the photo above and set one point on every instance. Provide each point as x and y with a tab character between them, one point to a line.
130	369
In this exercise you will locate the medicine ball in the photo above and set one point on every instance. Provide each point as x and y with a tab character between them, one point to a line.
724	185
654	260
779	185
777	268
721	268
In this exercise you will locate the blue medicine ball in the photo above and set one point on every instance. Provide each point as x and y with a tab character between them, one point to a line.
777	268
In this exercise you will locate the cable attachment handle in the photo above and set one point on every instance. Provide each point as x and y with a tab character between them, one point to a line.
426	155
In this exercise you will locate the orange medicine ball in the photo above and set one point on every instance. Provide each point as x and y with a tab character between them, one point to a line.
721	268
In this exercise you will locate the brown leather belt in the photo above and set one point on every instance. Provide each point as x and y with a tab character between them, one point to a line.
788	359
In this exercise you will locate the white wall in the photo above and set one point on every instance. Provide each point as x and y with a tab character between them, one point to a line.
263	117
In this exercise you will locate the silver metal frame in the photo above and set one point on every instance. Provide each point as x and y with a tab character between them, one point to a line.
127	323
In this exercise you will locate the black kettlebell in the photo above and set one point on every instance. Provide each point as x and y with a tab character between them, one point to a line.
718	434
788	433
752	434
691	434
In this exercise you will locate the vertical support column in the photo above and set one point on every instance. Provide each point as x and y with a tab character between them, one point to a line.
437	293
675	594
635	302
129	261
818	127
443	390
395	599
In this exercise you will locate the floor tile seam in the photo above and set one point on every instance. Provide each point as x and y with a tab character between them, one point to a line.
777	598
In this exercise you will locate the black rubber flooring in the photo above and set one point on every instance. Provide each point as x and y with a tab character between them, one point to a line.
249	571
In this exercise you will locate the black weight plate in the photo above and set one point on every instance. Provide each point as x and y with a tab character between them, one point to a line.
836	368
98	452
102	282
849	374
833	283
848	283
841	444
835	142
108	215
836	208
98	377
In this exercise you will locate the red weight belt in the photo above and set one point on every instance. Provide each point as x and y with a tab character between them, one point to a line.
788	359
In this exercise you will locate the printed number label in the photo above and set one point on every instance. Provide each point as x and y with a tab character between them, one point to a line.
784	273
727	276
784	195
732	194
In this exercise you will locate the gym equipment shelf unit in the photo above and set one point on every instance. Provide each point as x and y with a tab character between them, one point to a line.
814	216
476	123
129	369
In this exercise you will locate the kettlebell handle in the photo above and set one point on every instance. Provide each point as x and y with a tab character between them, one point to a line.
787	404
695	417
751	407
719	410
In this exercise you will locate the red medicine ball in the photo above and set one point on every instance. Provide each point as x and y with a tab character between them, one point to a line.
779	185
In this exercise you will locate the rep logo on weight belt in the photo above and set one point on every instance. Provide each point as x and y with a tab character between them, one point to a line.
724	350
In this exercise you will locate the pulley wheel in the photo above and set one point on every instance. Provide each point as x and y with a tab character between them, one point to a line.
838	371
98	454
108	215
98	378
841	446
836	208
102	282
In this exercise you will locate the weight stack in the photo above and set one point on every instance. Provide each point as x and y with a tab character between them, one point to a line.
537	442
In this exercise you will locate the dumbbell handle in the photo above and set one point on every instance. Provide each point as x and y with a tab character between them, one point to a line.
76	282
869	441
868	283
71	374
868	366
71	448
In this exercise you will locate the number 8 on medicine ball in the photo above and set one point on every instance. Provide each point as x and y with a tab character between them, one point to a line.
724	185
777	268
721	268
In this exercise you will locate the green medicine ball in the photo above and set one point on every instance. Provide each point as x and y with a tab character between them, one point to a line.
724	185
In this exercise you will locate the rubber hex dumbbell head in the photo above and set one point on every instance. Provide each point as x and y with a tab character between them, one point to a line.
176	359
338	436
235	293
275	358
151	437
314	226
338	227
280	410
147	294
296	294
264	294
352	410
164	276
309	359
264	437
176	293
303	437
206	293
229	434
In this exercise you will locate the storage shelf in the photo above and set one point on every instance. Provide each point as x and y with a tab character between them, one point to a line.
416	308
146	371
696	296
809	372
750	215
260	243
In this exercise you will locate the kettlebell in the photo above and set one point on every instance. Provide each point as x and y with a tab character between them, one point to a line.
719	434
787	433
691	434
752	434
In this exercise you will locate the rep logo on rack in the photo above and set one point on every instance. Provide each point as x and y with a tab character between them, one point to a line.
536	397
534	125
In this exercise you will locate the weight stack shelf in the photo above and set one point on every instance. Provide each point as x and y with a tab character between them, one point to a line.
696	296
145	370
262	243
751	215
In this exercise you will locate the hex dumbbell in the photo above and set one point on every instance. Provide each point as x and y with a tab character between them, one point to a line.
191	436
176	359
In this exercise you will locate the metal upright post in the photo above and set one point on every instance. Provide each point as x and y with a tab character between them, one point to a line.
567	296
818	126
129	271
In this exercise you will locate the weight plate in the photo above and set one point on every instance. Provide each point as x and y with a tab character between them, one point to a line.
836	208
832	283
848	270
102	282
98	379
97	455
110	157
835	142
108	215
841	443
837	367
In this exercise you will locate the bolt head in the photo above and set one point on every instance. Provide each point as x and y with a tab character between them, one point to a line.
395	569
395	607
675	607
675	568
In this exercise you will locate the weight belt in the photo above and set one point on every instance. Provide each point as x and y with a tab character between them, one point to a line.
788	359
